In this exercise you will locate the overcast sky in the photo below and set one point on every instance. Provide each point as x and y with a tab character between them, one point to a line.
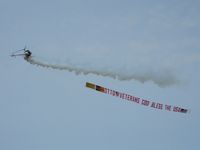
43	108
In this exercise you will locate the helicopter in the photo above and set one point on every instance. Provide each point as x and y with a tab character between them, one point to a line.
27	53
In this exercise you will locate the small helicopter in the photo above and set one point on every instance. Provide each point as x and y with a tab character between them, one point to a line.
27	53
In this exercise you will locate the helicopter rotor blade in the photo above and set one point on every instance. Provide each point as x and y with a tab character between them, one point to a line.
24	48
13	55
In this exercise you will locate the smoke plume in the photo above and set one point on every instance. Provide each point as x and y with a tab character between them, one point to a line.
162	79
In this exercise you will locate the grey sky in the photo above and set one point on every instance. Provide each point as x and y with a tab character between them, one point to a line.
51	109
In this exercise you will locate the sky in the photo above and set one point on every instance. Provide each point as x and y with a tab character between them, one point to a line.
44	108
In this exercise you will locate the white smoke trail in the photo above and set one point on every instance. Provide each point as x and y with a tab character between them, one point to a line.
163	79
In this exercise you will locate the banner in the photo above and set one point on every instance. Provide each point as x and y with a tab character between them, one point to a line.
135	99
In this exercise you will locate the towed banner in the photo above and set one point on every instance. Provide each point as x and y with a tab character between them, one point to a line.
136	99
